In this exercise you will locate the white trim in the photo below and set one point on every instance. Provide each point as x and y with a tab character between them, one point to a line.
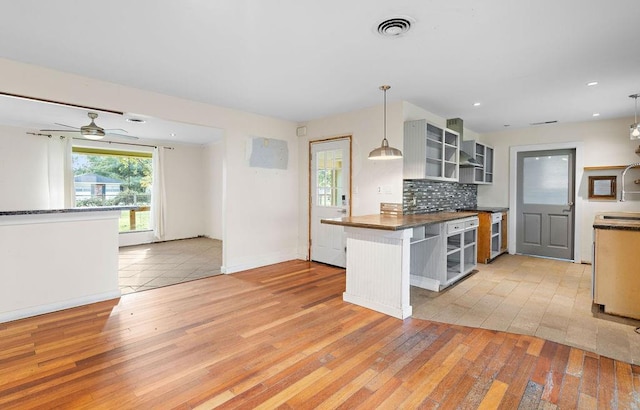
399	313
259	261
578	203
56	306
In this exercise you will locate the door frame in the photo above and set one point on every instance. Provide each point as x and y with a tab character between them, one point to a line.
309	184
513	191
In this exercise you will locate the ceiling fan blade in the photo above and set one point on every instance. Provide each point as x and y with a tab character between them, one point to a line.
128	137
111	130
65	125
59	130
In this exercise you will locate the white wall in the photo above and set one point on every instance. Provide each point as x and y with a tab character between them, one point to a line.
214	190
261	210
604	142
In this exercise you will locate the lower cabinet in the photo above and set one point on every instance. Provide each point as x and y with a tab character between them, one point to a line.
492	235
443	253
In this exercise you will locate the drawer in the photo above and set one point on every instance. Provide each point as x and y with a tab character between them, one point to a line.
496	217
455	226
471	224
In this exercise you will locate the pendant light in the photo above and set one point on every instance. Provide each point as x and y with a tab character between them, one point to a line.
634	130
385	151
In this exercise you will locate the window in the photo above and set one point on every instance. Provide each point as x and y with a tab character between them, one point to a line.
111	178
329	178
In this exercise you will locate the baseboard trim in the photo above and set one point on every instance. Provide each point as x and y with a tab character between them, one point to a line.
54	307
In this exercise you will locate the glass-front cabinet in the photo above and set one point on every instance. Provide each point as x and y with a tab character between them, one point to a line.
483	154
430	152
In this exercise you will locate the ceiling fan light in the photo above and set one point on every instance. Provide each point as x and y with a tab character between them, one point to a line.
92	133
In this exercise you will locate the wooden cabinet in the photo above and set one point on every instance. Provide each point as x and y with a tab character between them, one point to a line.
615	270
430	152
483	154
442	254
492	235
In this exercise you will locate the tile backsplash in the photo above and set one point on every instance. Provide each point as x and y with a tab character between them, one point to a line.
420	196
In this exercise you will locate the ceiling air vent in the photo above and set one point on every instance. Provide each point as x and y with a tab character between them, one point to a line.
544	122
394	27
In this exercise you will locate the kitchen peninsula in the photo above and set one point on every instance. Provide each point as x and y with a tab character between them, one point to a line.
56	259
384	250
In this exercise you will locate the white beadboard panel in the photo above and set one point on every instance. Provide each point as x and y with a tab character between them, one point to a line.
378	270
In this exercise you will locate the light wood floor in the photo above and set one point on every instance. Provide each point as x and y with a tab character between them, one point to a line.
281	337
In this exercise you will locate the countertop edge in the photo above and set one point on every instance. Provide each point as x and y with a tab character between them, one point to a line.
68	210
439	218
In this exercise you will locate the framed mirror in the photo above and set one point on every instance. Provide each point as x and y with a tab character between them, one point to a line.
603	187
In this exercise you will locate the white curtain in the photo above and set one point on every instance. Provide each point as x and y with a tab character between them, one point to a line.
158	195
69	183
60	173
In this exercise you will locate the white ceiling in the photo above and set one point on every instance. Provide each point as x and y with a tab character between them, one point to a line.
524	61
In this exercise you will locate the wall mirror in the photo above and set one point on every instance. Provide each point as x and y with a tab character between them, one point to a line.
603	187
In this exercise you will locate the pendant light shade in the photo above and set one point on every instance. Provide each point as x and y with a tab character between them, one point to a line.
634	130
385	151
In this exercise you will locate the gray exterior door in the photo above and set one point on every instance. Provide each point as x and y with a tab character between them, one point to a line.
545	198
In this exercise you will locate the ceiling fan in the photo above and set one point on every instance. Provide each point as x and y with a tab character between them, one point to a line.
93	131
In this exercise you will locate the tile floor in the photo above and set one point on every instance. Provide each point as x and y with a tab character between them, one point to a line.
547	298
155	265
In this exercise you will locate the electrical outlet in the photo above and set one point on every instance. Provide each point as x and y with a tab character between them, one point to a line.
379	189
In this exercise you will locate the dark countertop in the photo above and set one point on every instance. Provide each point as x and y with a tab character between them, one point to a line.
626	221
396	223
68	210
486	209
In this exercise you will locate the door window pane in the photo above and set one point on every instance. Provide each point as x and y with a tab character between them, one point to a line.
329	184
546	180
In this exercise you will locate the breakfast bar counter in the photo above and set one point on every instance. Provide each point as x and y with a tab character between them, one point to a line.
379	257
55	259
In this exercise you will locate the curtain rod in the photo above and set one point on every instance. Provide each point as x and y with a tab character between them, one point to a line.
104	142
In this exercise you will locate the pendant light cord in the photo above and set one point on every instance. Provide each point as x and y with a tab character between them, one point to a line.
385	112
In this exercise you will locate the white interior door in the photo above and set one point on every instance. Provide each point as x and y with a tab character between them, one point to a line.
330	198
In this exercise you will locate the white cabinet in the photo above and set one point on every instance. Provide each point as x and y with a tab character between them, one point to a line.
430	152
443	253
461	248
496	234
484	155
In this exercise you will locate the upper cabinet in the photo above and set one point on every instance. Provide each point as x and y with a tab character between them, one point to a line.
483	154
430	152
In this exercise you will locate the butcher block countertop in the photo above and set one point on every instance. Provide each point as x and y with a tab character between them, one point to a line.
396	223
628	221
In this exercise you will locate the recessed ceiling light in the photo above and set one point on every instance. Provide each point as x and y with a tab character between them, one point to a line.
476	104
596	114
173	134
592	83
136	120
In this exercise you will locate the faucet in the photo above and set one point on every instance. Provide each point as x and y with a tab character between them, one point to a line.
637	164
